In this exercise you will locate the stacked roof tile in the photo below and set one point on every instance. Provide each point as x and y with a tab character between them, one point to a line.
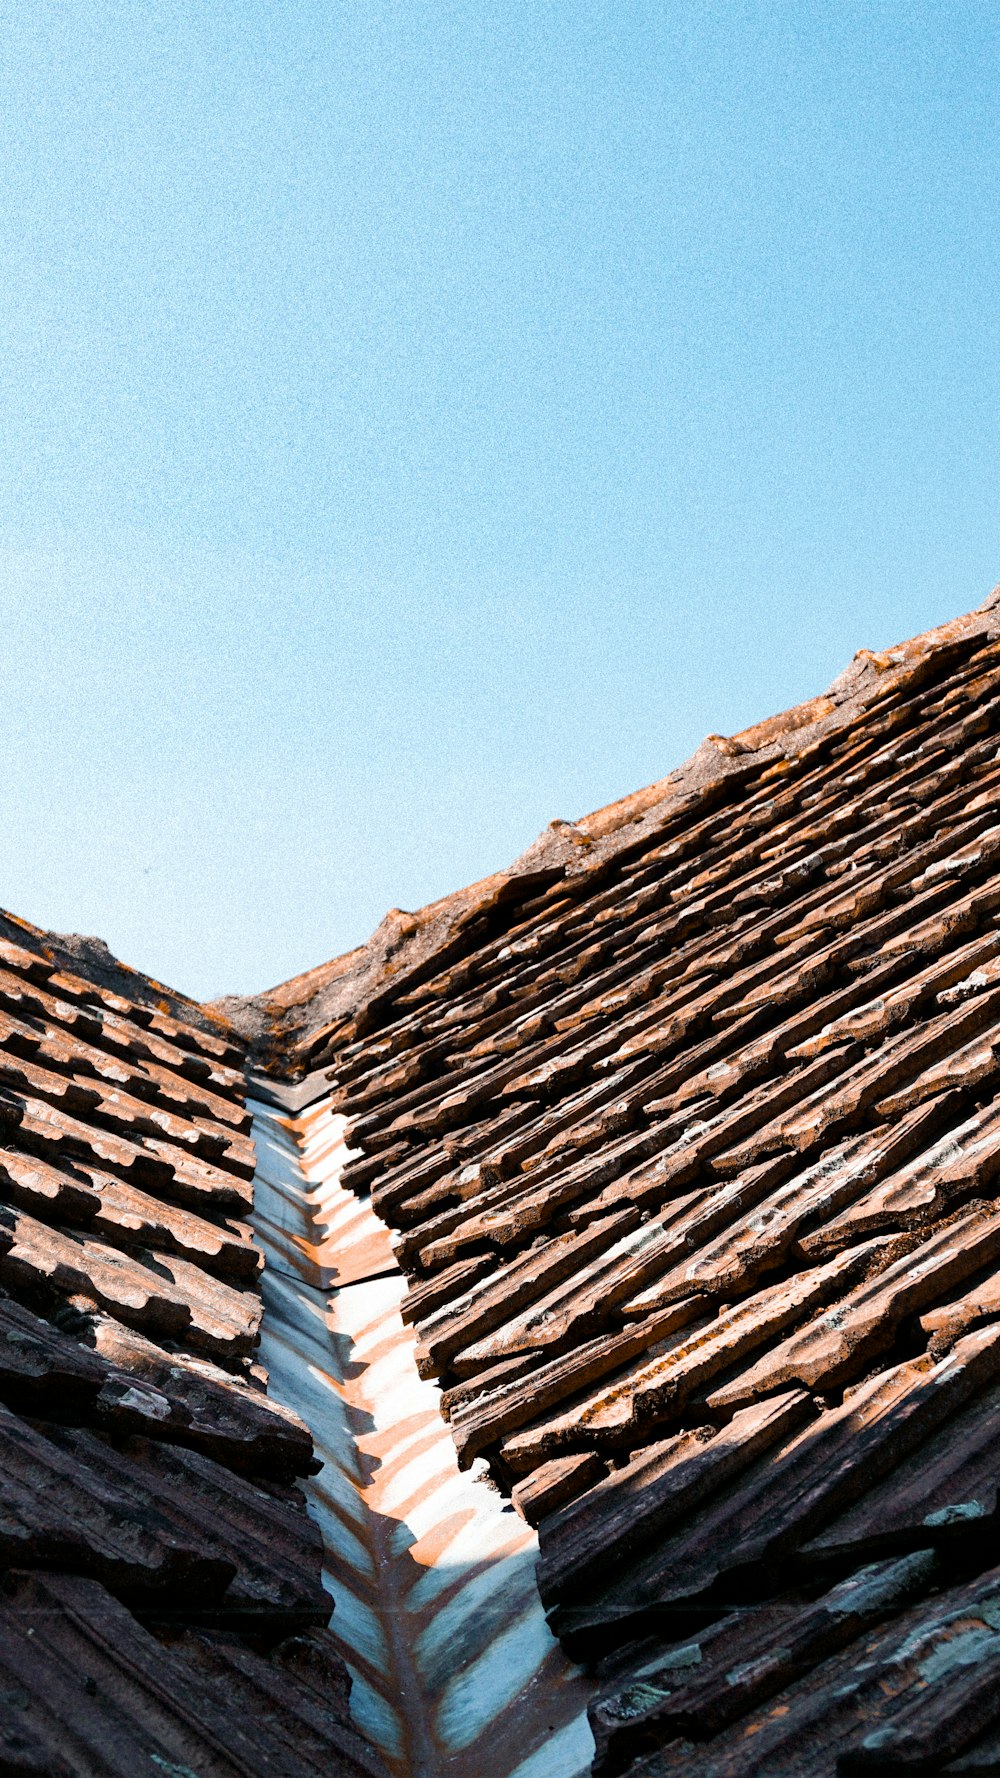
161	1607
689	1131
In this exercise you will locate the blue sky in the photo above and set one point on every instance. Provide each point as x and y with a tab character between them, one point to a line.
421	421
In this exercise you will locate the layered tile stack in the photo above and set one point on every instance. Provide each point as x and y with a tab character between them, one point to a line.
161	1607
690	1134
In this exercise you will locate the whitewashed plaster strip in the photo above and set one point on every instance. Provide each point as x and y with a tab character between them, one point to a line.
455	1672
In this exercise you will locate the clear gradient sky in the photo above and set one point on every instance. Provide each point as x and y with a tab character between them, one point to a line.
422	420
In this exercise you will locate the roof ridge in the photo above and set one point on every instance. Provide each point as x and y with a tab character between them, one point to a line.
404	942
91	960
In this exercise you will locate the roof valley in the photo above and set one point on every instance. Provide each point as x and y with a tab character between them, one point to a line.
420	1559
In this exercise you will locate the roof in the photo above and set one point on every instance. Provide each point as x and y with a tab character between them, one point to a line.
688	1129
161	1605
